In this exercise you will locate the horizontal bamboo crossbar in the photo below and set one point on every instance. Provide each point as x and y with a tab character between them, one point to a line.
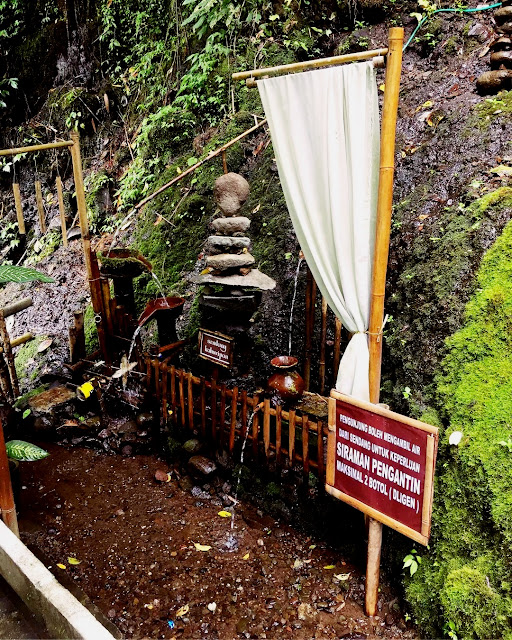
311	64
36	147
210	156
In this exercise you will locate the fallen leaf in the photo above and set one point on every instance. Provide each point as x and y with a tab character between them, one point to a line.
330	566
201	547
224	514
312	546
73	561
61	566
212	607
342	576
182	611
297	564
256	208
44	345
246	557
382	87
502	170
205	271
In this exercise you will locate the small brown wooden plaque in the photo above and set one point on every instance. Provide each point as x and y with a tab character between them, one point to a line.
382	463
216	347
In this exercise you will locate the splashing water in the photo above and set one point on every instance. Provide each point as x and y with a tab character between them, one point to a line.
290	327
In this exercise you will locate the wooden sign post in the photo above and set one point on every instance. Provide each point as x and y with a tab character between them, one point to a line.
216	347
382	463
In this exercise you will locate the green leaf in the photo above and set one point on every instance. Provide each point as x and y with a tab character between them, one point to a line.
12	273
24	451
414	568
191	162
26	413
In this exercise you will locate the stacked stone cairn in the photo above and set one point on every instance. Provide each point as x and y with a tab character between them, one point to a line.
500	76
229	261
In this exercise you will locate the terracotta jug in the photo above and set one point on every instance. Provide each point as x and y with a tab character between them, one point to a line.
285	383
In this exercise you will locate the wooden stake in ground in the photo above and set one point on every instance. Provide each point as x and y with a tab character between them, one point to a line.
8	354
6	496
62	212
380	261
40	207
19	208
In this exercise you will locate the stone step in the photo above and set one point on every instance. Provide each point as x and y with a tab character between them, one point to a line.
503	14
225	261
493	81
225	244
236	226
499	58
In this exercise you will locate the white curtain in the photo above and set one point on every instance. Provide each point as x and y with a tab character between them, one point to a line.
325	132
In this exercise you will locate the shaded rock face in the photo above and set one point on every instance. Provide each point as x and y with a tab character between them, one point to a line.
230	192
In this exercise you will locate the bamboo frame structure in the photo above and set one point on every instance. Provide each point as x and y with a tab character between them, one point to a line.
7	506
380	261
62	211
40	207
310	64
19	208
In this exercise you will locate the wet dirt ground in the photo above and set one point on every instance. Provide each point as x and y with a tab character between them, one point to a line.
136	540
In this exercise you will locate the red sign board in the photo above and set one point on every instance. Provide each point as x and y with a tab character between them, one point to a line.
382	463
216	347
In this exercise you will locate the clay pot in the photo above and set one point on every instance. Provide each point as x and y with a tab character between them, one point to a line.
285	383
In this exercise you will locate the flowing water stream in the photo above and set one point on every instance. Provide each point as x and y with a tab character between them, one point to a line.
290	326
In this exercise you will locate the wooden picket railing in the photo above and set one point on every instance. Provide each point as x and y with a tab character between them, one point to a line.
229	417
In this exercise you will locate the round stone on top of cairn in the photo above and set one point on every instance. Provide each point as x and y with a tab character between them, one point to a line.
231	190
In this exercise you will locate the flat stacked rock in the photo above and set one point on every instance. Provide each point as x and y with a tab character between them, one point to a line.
500	76
228	251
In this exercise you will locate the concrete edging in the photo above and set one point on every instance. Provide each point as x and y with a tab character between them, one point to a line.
65	617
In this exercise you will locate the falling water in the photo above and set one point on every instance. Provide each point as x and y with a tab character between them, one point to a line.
159	285
293	304
232	542
134	337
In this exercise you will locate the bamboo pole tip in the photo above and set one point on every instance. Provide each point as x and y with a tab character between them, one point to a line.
396	33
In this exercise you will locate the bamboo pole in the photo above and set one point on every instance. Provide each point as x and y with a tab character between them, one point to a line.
310	64
291	436
182	398
62	212
16	307
21	339
323	338
190	402
279	425
380	260
40	207
36	147
211	155
6	495
91	264
232	431
305	451
255	427
266	427
19	208
224	161
165	399
9	357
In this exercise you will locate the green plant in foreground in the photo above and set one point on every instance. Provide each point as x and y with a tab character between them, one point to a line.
24	451
412	561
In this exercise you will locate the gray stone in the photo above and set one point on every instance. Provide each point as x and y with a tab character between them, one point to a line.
230	260
192	446
231	190
254	279
197	492
202	465
499	58
224	244
231	226
480	31
502	15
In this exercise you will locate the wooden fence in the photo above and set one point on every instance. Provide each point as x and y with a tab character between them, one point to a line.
231	418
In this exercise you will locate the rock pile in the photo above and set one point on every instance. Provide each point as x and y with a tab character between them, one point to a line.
229	261
500	76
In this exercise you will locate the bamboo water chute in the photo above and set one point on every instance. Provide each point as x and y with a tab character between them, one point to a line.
19	208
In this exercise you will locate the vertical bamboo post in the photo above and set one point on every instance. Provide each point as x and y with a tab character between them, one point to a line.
224	161
165	381
232	431
291	436
91	263
19	208
279	426
40	208
190	402
305	451
9	356
323	338
255	426
243	415
266	427
62	212
182	397
6	496
380	261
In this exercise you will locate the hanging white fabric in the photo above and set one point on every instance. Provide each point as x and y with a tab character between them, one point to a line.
325	132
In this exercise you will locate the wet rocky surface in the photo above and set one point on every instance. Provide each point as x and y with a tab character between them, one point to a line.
161	559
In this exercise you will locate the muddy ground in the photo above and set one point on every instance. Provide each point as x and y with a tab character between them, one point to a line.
136	541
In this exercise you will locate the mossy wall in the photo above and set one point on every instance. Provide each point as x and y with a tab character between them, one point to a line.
467	576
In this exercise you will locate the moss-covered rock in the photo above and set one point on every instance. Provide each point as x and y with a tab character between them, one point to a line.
468	576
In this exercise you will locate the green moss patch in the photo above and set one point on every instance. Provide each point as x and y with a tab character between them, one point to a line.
468	576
